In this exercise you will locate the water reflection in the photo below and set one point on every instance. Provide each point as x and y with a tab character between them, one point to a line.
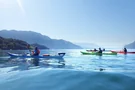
35	61
25	64
100	57
125	56
59	64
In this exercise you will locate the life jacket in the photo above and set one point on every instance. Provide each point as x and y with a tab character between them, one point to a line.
38	51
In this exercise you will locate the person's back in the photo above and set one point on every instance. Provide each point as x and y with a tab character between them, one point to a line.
125	50
100	51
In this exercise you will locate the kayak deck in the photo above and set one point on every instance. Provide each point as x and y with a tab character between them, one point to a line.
60	55
96	53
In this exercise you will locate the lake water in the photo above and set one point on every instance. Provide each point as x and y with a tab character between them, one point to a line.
74	72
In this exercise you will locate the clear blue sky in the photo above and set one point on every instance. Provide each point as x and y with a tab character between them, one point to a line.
103	22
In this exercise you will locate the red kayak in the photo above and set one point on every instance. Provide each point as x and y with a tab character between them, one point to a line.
122	52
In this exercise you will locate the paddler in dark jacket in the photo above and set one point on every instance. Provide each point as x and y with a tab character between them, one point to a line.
125	50
100	51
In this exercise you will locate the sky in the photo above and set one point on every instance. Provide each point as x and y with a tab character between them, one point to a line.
103	22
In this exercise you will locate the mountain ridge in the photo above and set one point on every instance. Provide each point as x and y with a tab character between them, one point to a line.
88	45
130	45
16	44
34	37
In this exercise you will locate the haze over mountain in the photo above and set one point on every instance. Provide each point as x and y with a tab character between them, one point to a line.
34	37
87	45
131	45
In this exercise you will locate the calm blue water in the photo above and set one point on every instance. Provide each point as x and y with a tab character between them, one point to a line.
74	72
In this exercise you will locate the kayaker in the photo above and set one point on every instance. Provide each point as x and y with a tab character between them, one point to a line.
103	49
95	49
125	50
36	52
100	51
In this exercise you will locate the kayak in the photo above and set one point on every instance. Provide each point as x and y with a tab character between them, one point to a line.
60	55
122	52
96	53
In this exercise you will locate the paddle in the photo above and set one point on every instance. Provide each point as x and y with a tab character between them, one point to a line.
29	48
